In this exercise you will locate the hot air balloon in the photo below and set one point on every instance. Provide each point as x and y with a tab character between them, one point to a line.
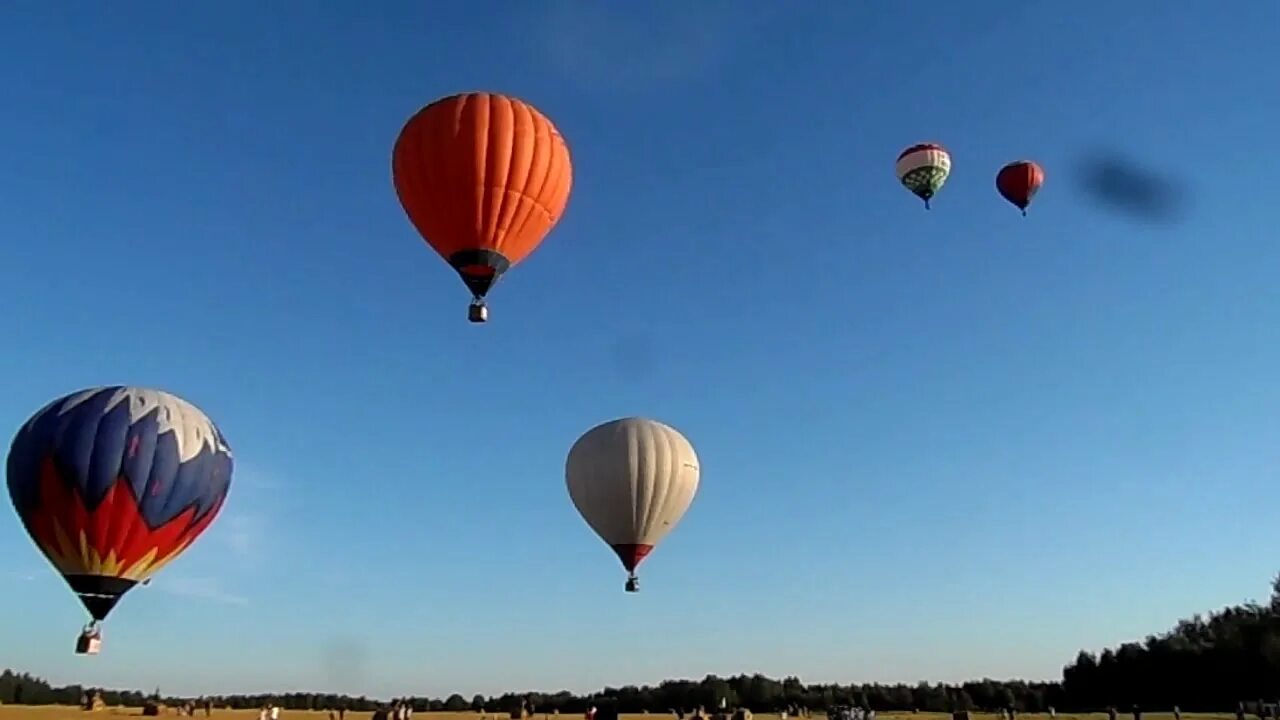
923	169
1019	181
632	480
483	178
113	483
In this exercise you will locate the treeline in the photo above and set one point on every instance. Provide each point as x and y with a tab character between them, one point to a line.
1207	664
1201	664
754	691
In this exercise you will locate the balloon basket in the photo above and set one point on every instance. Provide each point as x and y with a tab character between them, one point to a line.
89	642
633	584
478	313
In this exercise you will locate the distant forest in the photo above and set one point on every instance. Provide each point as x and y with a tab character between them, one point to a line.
1202	664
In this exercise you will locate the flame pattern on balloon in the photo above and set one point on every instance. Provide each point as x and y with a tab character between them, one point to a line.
113	483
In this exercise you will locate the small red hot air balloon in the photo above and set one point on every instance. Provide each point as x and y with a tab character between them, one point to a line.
1019	181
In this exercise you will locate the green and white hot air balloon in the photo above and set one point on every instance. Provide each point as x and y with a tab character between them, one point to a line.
923	169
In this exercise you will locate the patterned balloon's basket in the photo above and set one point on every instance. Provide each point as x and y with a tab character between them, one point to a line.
477	312
90	641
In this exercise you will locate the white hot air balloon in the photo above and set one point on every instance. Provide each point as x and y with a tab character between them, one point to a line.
632	479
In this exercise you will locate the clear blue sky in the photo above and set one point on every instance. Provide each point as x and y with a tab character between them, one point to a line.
935	445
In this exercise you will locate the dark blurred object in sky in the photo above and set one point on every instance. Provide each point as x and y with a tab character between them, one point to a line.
343	661
1123	185
633	356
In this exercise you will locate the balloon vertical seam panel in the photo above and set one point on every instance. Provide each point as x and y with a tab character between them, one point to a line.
511	213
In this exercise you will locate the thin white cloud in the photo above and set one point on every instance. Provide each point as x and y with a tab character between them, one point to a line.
244	529
243	533
18	575
200	588
608	46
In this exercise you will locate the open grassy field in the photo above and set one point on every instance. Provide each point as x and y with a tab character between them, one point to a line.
62	712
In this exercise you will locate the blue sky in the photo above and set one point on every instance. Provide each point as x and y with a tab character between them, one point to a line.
935	445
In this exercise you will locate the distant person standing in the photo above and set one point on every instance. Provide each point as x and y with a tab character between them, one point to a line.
1177	713
275	712
262	713
1053	714
1137	712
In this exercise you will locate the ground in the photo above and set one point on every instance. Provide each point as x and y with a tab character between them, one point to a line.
62	712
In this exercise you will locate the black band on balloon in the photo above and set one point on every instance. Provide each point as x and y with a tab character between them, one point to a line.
479	269
99	594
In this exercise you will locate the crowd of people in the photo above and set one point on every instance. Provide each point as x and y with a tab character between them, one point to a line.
403	710
847	712
395	710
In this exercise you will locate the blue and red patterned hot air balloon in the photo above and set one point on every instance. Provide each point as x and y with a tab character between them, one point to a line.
114	482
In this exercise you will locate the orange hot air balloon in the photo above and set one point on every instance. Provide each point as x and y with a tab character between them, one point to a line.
484	178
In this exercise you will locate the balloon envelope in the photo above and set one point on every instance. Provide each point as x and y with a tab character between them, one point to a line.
114	482
923	169
632	480
483	178
1018	182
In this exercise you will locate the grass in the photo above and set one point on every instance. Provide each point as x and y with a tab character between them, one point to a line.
64	712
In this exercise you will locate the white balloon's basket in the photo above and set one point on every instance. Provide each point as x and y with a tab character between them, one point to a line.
89	642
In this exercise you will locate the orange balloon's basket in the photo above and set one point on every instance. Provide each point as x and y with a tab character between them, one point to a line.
90	641
633	584
478	313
